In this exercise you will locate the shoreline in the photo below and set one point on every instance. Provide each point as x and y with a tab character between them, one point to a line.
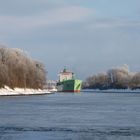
6	91
112	90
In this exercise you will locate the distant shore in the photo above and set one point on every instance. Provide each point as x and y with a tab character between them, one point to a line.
112	90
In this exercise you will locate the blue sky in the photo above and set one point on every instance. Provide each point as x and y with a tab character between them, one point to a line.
87	36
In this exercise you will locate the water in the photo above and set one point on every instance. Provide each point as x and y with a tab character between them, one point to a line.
68	116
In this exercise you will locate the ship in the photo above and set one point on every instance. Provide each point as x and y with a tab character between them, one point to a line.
67	82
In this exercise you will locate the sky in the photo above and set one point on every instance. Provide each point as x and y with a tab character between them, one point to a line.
86	36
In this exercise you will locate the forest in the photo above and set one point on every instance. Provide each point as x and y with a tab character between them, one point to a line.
115	78
17	69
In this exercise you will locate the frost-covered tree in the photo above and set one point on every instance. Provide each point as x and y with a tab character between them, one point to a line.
135	81
17	69
119	78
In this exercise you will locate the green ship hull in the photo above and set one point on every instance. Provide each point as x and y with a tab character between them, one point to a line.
72	85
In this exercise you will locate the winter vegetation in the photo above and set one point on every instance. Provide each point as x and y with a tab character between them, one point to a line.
115	78
17	69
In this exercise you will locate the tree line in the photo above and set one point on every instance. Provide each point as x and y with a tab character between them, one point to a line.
115	78
17	69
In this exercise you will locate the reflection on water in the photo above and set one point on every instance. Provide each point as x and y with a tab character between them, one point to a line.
91	116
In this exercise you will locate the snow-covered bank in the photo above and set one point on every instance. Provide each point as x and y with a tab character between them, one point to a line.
6	91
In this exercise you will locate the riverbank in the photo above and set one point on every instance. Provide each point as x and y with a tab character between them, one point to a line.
112	91
6	91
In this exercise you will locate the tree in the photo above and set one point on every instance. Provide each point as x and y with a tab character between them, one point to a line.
135	82
19	70
117	78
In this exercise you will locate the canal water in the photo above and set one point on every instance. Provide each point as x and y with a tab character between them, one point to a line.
69	116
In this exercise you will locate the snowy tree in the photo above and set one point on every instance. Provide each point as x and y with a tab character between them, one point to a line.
17	69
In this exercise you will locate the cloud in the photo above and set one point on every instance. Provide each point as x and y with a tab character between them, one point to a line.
48	18
113	23
68	14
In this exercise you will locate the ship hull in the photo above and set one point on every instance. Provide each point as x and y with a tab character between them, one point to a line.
72	85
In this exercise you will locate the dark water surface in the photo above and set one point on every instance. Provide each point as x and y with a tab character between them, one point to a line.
68	116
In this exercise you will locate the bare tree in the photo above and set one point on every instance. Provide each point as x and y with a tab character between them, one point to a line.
17	69
135	82
119	78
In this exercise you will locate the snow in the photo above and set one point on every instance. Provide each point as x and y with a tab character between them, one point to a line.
21	91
